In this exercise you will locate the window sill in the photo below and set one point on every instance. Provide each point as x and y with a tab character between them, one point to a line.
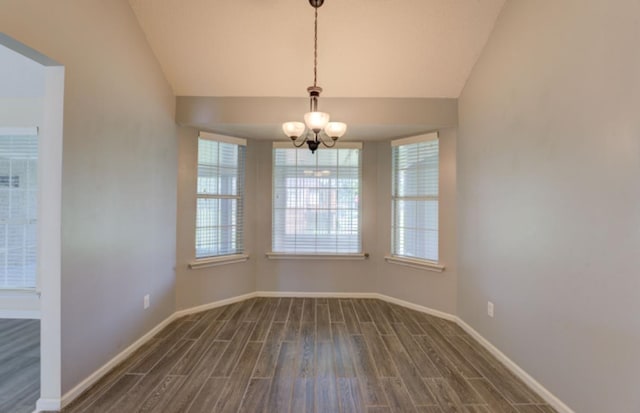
215	261
323	257
415	263
18	292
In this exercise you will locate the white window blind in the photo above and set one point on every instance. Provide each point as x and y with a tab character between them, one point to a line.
316	200
18	210
415	197
219	215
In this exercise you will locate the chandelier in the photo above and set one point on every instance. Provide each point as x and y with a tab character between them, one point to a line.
316	123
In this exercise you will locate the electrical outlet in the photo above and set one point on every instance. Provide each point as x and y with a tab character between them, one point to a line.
147	301
490	308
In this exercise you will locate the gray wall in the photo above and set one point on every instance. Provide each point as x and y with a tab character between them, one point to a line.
119	175
549	197
202	286
373	118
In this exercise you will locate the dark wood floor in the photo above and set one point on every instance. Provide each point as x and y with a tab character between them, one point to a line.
19	365
311	355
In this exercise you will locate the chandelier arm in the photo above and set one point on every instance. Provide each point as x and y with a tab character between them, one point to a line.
301	142
333	141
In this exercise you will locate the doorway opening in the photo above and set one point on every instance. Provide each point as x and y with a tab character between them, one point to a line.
31	114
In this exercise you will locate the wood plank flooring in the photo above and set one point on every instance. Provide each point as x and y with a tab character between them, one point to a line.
19	365
310	355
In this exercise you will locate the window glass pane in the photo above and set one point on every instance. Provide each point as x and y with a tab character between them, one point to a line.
219	214
415	200
316	201
208	179
349	157
18	211
304	157
207	152
228	155
326	158
427	215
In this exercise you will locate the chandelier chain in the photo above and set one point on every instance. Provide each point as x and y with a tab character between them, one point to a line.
316	124
315	49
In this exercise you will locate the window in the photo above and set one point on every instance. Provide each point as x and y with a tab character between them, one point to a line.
316	200
415	197
220	193
18	209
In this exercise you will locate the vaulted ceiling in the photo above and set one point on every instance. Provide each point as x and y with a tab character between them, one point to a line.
367	48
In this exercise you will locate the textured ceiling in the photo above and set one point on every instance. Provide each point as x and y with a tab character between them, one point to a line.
367	48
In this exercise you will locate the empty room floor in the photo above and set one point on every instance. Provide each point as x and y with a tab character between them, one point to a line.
310	355
19	365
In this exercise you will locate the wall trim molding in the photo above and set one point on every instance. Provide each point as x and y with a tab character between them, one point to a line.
212	305
72	394
53	404
216	261
302	294
535	385
387	298
415	263
416	307
47	404
317	257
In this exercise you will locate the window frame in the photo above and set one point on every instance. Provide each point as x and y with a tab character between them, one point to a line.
407	260
240	254
319	255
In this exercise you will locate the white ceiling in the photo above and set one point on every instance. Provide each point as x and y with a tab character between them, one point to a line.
367	48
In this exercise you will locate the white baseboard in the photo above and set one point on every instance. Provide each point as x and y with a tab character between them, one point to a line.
69	396
301	294
215	304
43	405
422	309
54	405
393	300
22	314
379	296
542	391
